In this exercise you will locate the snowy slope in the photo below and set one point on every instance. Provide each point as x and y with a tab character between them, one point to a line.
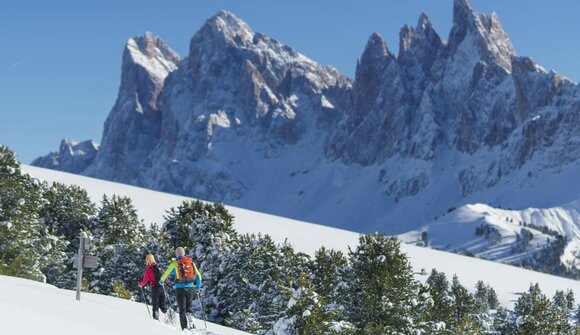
306	237
456	231
29	307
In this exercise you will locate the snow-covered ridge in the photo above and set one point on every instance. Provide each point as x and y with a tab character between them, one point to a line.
508	281
456	231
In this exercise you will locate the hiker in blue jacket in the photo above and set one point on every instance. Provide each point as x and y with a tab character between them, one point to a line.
188	280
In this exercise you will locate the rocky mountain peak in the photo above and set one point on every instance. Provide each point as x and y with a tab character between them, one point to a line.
369	72
224	27
482	32
424	23
375	50
151	53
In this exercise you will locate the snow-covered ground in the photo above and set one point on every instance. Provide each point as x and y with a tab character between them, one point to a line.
456	231
508	281
29	307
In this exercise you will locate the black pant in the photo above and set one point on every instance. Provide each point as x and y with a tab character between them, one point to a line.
184	300
158	301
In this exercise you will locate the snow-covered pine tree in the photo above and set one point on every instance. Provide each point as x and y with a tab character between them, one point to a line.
66	211
570	300
252	284
442	307
23	236
119	242
307	312
504	322
533	313
464	319
330	279
492	300
560	313
481	297
382	288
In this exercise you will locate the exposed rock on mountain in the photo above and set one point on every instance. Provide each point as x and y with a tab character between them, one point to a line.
72	156
249	121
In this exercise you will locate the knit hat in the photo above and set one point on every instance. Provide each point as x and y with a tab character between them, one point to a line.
179	251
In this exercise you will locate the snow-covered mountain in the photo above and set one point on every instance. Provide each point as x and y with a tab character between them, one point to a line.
246	120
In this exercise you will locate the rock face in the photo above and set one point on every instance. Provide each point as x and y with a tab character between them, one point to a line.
249	121
72	156
133	127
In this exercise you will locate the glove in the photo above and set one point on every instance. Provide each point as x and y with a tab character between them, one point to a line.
161	282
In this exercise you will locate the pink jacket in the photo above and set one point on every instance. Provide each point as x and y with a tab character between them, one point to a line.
149	276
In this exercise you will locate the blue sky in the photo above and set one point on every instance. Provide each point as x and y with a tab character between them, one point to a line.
60	61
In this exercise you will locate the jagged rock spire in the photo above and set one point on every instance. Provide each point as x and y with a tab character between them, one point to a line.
490	38
368	73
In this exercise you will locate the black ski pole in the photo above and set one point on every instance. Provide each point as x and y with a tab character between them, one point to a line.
145	300
202	311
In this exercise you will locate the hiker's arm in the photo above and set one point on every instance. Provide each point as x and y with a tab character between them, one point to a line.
197	283
170	271
146	278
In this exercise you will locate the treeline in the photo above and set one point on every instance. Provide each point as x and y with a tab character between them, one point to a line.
250	282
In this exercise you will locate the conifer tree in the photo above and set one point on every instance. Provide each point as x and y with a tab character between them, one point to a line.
330	279
252	283
119	243
23	239
306	312
382	288
65	212
533	313
442	306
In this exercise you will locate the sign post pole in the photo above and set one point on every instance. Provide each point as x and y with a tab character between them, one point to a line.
79	261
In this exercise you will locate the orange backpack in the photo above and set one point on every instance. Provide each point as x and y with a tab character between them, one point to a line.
187	270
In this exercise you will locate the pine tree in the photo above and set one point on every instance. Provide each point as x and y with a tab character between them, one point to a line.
560	312
23	239
533	313
306	313
492	300
119	243
382	288
570	300
505	322
463	320
66	211
330	279
442	306
481	297
252	281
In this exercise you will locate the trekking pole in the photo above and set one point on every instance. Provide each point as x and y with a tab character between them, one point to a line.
171	313
202	311
145	300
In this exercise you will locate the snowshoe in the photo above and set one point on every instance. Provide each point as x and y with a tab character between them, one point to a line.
190	324
170	317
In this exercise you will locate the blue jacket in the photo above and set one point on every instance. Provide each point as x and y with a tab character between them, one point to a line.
172	270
